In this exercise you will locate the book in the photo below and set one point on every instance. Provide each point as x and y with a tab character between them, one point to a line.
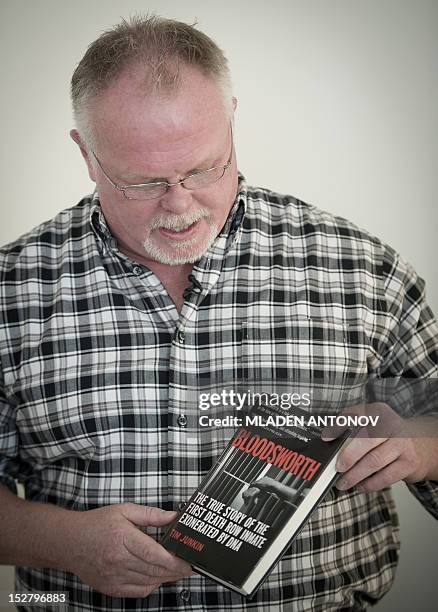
252	504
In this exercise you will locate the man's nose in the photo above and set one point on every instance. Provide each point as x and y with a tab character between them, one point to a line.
176	200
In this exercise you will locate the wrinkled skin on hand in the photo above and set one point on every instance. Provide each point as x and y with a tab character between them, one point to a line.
111	554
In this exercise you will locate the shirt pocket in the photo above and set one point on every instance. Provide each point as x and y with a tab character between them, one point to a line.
303	353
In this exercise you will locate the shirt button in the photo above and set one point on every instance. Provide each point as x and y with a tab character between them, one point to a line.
182	420
185	595
137	270
181	336
181	505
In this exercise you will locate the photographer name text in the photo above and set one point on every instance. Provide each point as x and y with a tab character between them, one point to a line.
289	420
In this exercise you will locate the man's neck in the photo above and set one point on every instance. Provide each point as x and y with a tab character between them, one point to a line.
174	278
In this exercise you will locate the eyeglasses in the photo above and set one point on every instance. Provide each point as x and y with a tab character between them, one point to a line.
150	191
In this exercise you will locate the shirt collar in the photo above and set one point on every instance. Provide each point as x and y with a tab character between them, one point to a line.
237	212
98	222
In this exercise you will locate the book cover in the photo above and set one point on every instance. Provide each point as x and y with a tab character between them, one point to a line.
252	504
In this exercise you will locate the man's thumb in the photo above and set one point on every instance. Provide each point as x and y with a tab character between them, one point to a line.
148	515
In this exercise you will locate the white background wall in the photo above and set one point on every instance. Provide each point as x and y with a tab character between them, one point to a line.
337	105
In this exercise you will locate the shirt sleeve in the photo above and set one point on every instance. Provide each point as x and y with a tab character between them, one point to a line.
411	349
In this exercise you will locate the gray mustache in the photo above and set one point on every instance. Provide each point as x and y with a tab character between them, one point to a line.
178	222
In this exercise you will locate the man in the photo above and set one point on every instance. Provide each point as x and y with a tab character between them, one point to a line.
173	276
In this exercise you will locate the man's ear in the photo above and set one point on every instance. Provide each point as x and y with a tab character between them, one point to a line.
234	99
85	154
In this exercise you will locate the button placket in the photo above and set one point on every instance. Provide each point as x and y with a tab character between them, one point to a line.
182	420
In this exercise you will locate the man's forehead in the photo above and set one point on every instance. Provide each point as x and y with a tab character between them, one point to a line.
127	104
163	142
137	134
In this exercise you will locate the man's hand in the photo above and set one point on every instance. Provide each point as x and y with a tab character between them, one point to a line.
397	449
111	554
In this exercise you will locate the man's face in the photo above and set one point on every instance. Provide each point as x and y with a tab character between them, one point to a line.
141	139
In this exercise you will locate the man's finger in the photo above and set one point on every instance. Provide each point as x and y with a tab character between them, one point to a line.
371	463
138	578
356	449
148	550
147	515
148	572
384	478
135	590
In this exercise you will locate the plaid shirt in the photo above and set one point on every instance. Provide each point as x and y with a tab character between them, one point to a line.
101	376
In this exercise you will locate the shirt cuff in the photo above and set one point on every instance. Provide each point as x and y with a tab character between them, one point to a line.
9	483
426	491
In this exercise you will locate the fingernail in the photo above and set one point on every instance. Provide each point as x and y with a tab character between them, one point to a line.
341	484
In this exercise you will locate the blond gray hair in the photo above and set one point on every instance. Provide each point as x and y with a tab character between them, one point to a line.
161	46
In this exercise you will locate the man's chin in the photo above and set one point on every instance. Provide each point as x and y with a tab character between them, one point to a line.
175	256
178	255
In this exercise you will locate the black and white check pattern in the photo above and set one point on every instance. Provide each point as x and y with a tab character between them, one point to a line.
101	377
